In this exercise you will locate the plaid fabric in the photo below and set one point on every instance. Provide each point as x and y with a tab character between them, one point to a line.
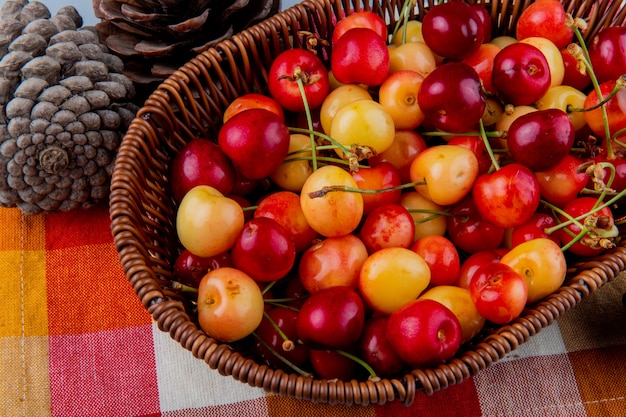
75	341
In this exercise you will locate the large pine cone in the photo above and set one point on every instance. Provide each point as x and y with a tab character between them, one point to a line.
156	37
64	108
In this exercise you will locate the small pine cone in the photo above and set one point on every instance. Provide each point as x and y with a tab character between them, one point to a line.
64	106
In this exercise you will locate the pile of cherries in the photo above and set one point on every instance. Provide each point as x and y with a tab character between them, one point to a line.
374	214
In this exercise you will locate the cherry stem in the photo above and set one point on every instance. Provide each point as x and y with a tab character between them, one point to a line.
268	287
434	214
281	357
313	132
279	304
404	19
309	121
361	362
483	134
184	288
276	327
594	80
618	86
331	188
324	159
576	220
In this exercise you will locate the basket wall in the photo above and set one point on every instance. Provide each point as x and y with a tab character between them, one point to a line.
191	103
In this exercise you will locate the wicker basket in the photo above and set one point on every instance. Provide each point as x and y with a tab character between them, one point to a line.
191	102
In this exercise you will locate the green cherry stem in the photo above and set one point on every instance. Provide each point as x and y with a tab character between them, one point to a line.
594	80
281	357
333	188
312	132
369	369
404	19
309	121
184	288
483	134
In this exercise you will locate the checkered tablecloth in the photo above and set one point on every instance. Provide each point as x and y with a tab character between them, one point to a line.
75	341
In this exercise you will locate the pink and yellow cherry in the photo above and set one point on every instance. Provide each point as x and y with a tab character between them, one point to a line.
441	256
482	62
459	301
426	214
412	56
252	101
264	250
405	146
360	56
230	304
477	145
446	173
338	98
565	98
378	177
534	228
562	182
334	261
335	213
499	292
388	225
391	277
208	223
398	95
471	264
545	18
292	173
361	19
588	246
508	196
541	263
284	207
365	123
615	109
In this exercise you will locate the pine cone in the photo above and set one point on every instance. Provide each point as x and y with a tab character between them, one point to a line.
156	37
64	108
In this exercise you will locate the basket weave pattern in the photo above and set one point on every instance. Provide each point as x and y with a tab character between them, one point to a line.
191	103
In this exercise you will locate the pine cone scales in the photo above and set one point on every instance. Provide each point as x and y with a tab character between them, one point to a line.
156	37
64	108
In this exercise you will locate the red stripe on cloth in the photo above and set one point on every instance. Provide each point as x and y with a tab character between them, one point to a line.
109	373
78	227
459	400
88	292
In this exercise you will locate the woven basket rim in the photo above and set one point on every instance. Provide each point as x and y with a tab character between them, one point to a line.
136	212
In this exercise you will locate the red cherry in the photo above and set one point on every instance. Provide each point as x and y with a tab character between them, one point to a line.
451	97
331	318
264	250
508	196
453	29
521	74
